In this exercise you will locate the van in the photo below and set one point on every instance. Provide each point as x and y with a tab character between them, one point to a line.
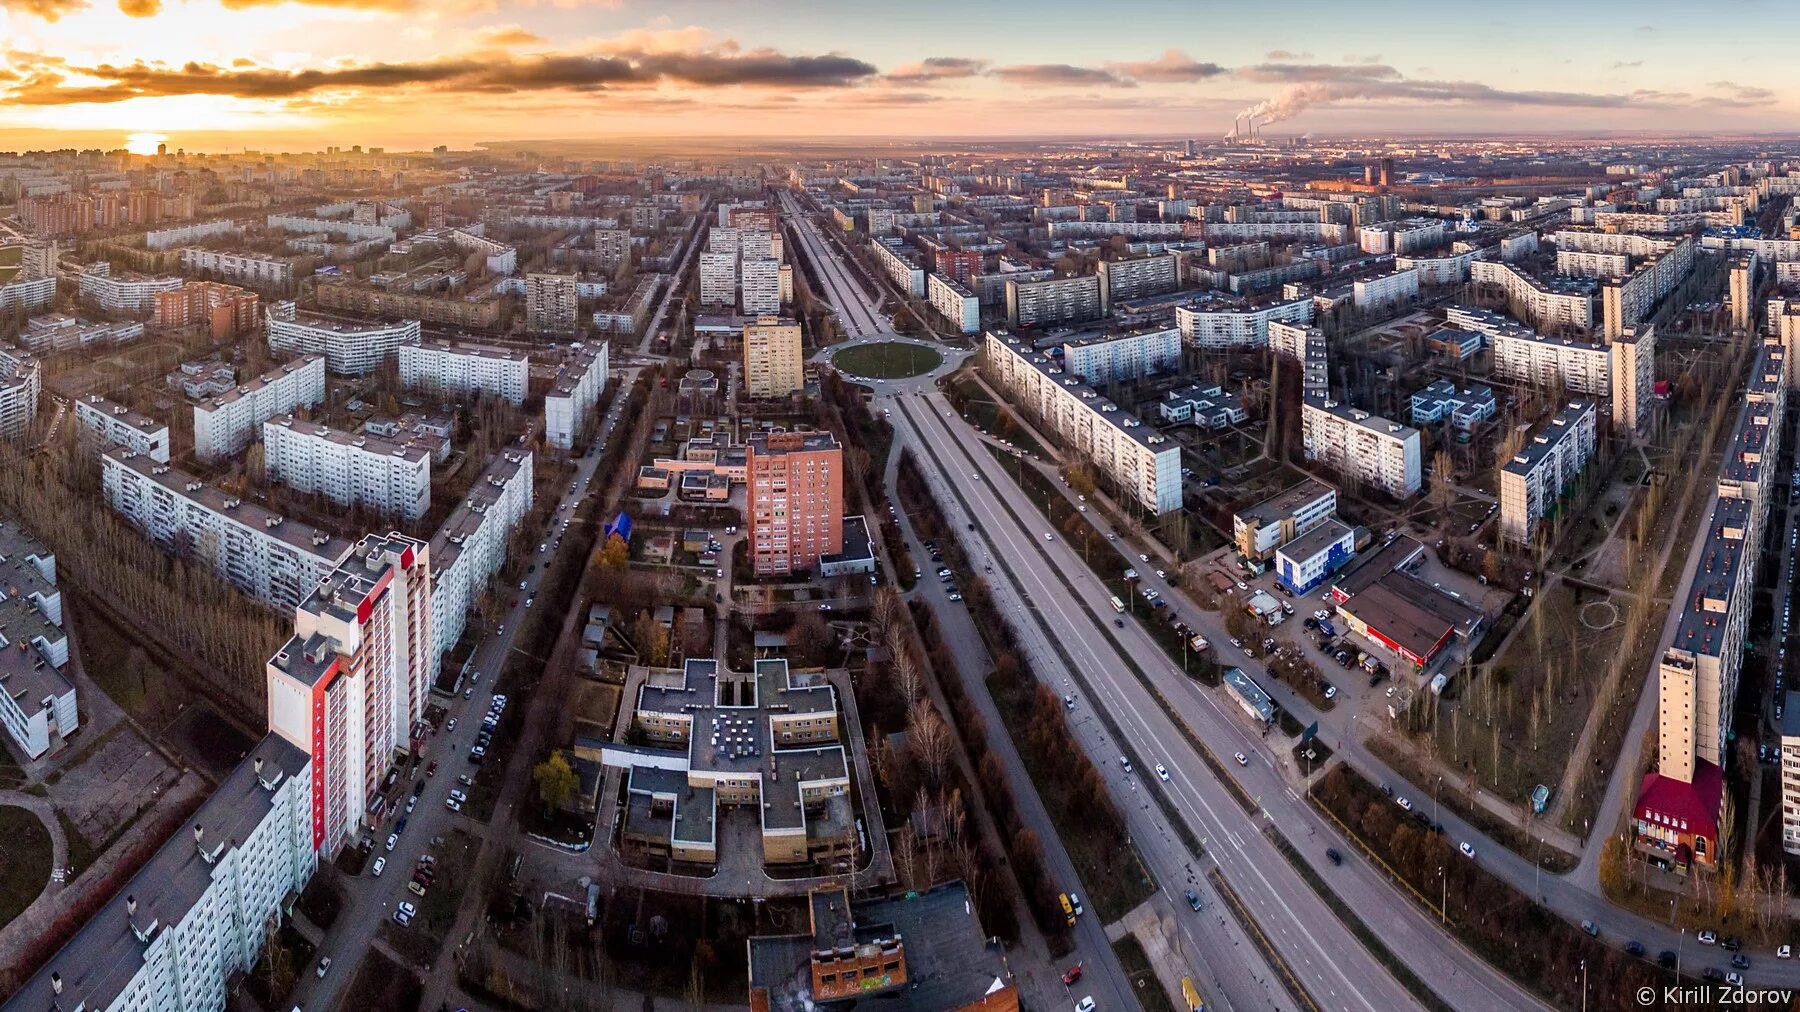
1068	908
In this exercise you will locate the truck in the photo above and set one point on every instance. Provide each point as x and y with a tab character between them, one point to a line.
1191	995
1327	628
1198	642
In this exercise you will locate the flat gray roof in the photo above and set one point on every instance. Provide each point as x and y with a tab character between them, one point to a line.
292	532
1284	503
97	964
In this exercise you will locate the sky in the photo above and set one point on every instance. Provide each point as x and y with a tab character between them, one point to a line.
408	74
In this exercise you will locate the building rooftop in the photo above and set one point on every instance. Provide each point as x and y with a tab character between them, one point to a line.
272	376
1329	532
468	516
1283	504
27	569
97	964
857	544
1702	627
1111	413
1411	613
1559	428
472	350
1364	419
340	595
1398	553
120	413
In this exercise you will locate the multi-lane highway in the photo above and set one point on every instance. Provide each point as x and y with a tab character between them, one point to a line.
370	900
1044	579
856	310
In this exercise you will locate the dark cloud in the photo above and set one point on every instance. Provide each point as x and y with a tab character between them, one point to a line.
1060	74
582	72
937	68
1172	65
49	10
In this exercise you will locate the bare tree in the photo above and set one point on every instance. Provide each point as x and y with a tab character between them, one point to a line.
929	739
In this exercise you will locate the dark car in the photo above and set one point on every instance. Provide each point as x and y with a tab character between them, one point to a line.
1634	948
1739	961
1731	943
1333	856
1666	959
1712	976
1193	899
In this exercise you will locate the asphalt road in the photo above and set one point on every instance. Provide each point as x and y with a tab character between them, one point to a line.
369	900
1336	969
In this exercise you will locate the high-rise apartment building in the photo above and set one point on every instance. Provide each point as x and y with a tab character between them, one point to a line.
1053	302
1367	448
718	279
126	293
955	302
350	687
470	545
960	265
795	500
364	471
574	392
225	424
552	303
759	279
774	365
21	382
445	369
1136	278
349	349
224	311
111	424
1531	482
1124	355
273	559
1205	325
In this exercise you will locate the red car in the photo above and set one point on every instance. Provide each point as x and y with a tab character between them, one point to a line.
431	770
1072	974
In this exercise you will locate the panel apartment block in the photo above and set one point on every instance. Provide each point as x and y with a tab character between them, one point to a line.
349	349
1104	358
795	500
1361	446
774	365
364	471
275	560
441	368
225	424
1544	468
112	424
1053	302
574	392
1143	462
470	546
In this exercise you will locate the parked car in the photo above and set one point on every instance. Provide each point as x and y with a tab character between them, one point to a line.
1666	959
1332	855
1468	851
1071	975
1075	901
375	869
324	965
1193	899
392	839
1707	938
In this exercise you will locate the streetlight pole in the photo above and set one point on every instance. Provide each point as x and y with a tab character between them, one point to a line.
1584	985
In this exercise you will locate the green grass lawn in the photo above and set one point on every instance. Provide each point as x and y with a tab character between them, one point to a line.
26	856
887	360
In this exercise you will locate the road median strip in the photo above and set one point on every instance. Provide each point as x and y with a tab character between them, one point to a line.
1289	981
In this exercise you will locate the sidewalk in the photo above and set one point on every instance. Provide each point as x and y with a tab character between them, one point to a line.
1161	945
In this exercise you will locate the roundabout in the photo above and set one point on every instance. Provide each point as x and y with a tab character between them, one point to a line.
886	360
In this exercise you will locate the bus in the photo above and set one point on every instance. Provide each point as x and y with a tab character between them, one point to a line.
1118	605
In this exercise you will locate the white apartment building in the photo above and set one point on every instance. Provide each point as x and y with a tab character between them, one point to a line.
1306	346
112	424
197	914
365	471
1136	278
1205	327
1386	290
1258	530
955	302
251	269
1627	243
21	381
1277	231
1592	263
1436	271
53	332
272	559
1518	247
1052	302
574	392
169	238
125	293
350	686
28	296
444	368
1403	237
1104	358
552	303
613	245
759	283
1105	229
225	424
1626	301
1365	447
718	279
1144	463
1651	222
349	349
470	547
37	706
1567	303
1790	774
1581	367
900	263
1536	477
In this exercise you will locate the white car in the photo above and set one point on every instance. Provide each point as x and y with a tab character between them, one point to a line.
412	803
458	795
1242	585
1405	805
392	839
1242	759
451	726
1785	952
1160	575
1466	848
1047	536
453	804
1322	615
376	868
1085	1005
408	909
1162	773
1143	558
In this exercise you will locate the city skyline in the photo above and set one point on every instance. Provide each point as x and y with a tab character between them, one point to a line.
230	74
